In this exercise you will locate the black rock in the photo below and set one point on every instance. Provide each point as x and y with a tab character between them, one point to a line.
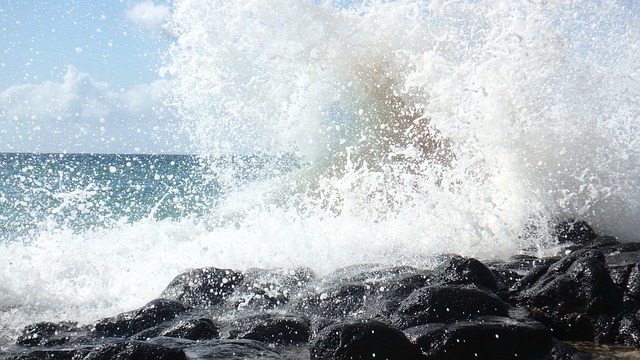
363	340
605	328
273	329
632	287
565	263
490	337
192	329
368	273
384	298
575	232
572	293
339	301
368	292
602	241
130	323
203	287
52	354
617	258
621	247
238	349
506	280
520	272
563	351
47	334
629	330
620	274
130	350
530	278
267	289
465	271
444	304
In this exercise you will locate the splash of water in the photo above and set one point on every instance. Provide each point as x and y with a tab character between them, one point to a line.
479	123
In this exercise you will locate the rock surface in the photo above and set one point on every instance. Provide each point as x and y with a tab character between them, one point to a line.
489	337
363	340
520	308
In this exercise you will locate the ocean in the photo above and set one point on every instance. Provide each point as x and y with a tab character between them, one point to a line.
332	134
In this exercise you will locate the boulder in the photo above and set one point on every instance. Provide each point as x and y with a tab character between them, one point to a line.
263	289
465	271
130	323
203	287
489	337
273	329
237	349
363	340
572	294
46	334
564	351
191	328
137	350
385	297
334	302
51	354
447	303
629	329
575	232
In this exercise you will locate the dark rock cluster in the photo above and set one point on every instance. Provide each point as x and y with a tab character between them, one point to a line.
522	308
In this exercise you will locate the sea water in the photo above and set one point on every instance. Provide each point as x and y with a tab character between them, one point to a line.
387	131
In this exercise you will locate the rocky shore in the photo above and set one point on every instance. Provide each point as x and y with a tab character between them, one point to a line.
582	304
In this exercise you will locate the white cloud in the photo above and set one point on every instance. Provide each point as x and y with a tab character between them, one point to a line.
149	16
80	114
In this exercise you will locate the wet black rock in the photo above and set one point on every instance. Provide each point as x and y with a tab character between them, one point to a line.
445	304
130	323
629	330
263	289
572	293
273	329
629	252
203	287
563	351
384	298
193	329
188	328
465	271
531	277
339	301
518	272
47	334
363	340
137	350
52	354
373	291
575	231
490	337
235	349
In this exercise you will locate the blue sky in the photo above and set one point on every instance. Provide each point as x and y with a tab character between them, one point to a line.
82	76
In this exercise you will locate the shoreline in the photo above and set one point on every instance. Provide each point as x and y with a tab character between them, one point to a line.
582	305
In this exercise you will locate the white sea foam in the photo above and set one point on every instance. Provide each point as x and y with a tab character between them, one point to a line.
423	127
493	118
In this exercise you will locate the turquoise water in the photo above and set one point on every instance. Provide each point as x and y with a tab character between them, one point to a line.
81	191
78	192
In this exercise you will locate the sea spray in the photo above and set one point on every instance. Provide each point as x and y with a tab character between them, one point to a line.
490	120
